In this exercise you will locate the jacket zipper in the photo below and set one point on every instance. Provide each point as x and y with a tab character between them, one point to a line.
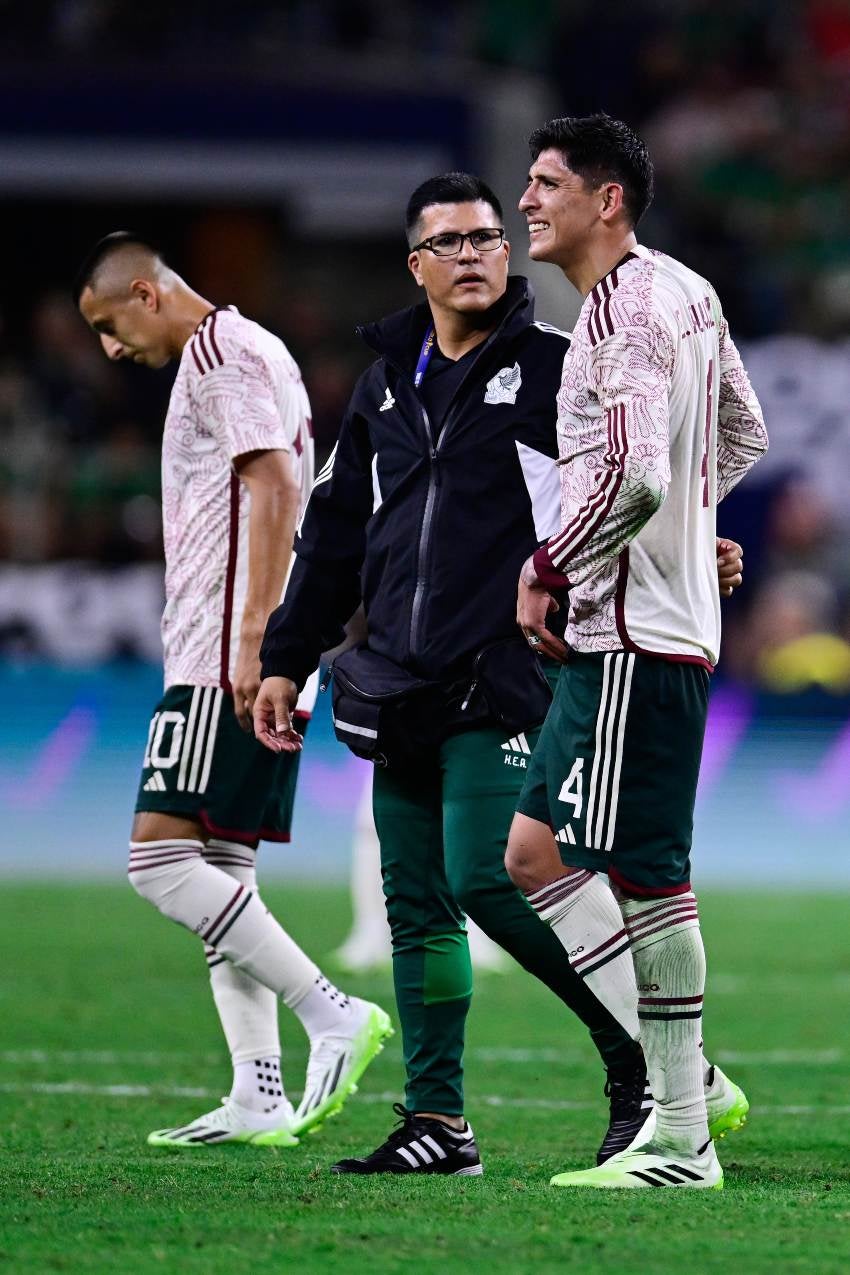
424	536
427	521
431	497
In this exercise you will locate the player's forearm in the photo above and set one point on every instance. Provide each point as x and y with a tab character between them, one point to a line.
628	492
271	532
621	527
741	432
741	442
320	598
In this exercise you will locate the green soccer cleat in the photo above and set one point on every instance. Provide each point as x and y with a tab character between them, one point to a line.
649	1166
230	1123
337	1061
726	1107
726	1104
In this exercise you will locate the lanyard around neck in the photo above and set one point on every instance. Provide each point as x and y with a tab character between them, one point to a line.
424	356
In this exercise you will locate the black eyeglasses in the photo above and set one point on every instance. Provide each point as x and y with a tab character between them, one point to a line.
450	243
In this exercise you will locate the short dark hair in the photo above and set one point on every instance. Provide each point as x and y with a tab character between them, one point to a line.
104	248
449	188
601	149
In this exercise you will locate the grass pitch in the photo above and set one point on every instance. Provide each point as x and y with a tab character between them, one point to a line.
108	1031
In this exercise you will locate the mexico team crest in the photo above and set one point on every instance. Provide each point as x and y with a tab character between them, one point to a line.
504	386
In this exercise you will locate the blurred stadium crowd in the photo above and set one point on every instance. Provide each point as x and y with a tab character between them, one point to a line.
746	107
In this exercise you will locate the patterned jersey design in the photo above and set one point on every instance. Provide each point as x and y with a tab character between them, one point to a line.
237	390
657	421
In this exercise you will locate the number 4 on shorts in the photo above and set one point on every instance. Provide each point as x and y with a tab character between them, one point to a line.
573	787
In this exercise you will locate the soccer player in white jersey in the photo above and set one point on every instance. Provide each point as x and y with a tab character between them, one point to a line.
657	422
237	467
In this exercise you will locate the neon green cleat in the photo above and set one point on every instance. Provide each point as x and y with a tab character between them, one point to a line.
230	1123
337	1062
726	1104
650	1165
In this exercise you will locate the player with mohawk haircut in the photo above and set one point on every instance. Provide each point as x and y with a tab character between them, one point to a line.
237	466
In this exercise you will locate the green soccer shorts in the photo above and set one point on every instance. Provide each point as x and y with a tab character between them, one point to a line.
200	764
615	770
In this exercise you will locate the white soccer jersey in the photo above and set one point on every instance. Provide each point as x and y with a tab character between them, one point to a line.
237	390
657	422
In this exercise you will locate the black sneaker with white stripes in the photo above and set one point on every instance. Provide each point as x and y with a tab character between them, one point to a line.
631	1104
420	1145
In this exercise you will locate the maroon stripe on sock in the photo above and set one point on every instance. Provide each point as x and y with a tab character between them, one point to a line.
602	961
588	956
677	899
651	915
223	913
657	908
231	920
648	916
557	890
637	928
157	863
668	1015
234	863
165	847
665	925
670	1000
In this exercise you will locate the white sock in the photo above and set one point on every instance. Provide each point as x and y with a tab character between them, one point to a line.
670	968
324	1008
226	914
583	912
258	1085
247	1010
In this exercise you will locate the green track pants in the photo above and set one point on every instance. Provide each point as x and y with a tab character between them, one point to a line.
443	825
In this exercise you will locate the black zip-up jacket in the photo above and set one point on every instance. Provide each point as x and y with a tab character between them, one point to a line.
430	532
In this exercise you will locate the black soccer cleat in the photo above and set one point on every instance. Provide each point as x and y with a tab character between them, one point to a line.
419	1145
631	1104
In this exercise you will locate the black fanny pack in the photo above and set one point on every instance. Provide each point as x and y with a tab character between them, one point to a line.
512	683
378	708
388	715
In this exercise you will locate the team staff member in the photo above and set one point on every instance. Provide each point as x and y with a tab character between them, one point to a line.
442	481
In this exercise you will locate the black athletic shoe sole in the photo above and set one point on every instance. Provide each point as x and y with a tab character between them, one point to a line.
357	1167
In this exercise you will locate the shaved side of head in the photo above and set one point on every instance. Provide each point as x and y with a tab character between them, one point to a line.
115	261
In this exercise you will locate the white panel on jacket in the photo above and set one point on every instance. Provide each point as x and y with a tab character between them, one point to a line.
544	489
377	498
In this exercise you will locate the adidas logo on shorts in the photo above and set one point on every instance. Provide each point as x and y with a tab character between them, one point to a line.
517	749
566	835
156	783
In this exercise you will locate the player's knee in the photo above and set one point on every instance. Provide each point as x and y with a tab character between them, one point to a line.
519	864
158	871
532	857
142	880
145	880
